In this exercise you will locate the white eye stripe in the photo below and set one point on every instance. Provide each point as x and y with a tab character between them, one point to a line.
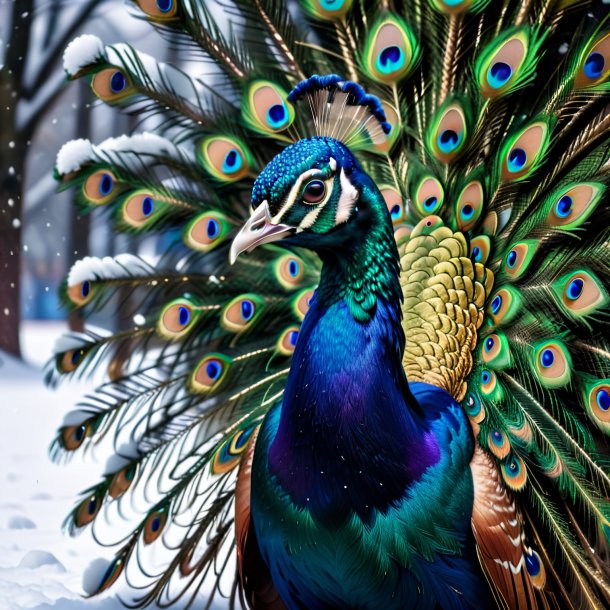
294	192
347	200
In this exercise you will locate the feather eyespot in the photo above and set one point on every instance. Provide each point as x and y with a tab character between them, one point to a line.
289	271
572	206
122	481
87	510
229	454
390	51
177	319
112	85
429	196
159	10
154	525
241	312
140	208
72	437
489	382
448	132
394	203
100	187
266	109
328	10
209	373
111	575
580	292
224	158
522	154
594	66
552	364
480	248
288	340
496	352
597	403
81	293
514	472
302	303
498	443
505	305
207	231
519	257
535	568
469	205
474	408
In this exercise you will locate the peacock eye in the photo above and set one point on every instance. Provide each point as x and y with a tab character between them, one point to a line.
314	191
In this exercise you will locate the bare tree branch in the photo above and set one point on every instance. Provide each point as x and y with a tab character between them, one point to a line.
59	45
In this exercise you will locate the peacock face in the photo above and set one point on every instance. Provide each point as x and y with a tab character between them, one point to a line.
308	190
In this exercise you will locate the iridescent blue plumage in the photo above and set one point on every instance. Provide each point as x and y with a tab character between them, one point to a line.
362	490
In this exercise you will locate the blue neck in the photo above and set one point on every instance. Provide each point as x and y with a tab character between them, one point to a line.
350	435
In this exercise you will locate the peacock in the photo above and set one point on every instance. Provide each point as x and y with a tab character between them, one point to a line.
368	365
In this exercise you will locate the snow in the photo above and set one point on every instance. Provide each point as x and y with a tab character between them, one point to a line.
40	567
73	155
82	52
108	268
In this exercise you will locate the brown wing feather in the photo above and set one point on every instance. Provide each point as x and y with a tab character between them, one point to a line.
254	575
498	530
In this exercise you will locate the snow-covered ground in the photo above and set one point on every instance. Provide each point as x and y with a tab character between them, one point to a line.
40	567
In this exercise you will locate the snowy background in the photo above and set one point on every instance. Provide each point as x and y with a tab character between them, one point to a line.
39	566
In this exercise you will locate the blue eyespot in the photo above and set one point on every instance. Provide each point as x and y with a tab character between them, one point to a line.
85	289
547	358
511	259
476	253
516	160
448	140
293	267
106	184
467	211
497	437
472	405
390	59
594	66
79	431
92	505
430	203
165	6
489	343
118	82
496	304
148	206
213	369
514	468
499	74
277	116
395	212
233	162
155	524
243	438
247	309
184	315
333	5
574	289
77	356
603	400
212	228
293	336
564	206
532	564
485	377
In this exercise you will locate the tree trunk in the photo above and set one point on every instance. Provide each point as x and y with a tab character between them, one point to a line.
13	149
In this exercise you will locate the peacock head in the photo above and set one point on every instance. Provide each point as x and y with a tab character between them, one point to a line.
308	194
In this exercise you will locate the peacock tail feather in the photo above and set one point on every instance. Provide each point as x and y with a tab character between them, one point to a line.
493	160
